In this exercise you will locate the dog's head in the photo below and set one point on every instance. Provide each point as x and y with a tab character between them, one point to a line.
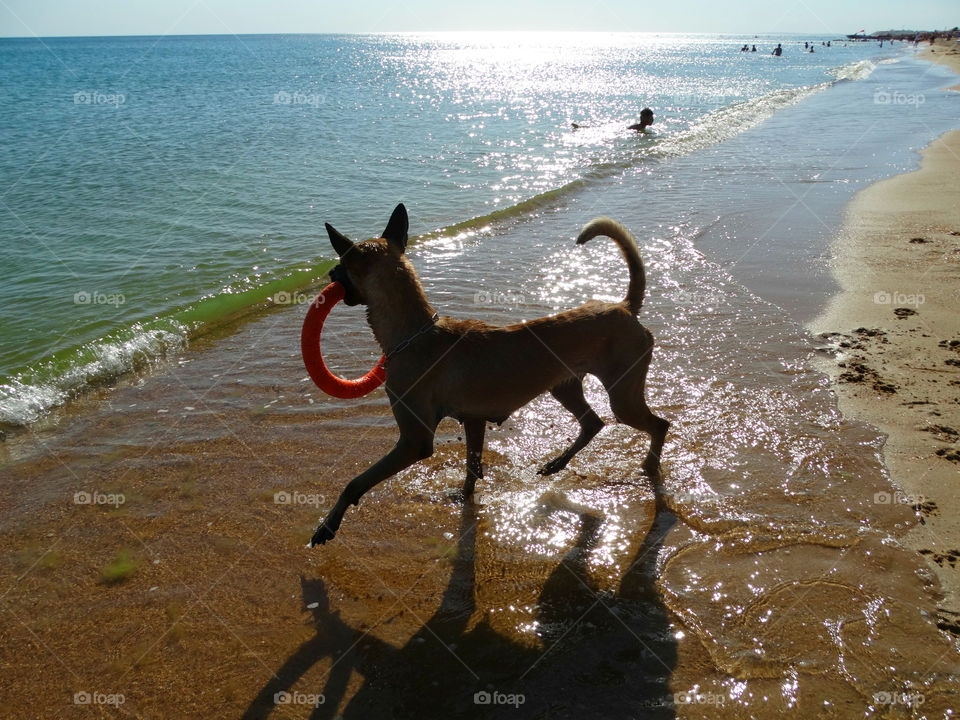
365	264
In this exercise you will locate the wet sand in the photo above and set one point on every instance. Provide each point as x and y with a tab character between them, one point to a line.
895	329
222	611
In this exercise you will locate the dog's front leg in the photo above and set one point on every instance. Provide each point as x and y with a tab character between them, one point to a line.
474	430
570	394
410	448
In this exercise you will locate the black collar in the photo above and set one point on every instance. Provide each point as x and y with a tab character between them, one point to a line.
413	337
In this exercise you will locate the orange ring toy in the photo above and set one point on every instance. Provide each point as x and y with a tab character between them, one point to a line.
313	357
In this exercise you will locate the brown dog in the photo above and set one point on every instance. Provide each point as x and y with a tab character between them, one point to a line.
475	373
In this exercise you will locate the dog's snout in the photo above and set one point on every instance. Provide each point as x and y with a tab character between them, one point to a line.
338	274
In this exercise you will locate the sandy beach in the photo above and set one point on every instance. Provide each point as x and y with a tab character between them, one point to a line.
897	340
944	52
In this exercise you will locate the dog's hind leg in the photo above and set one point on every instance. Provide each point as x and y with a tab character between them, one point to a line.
415	443
642	418
630	407
569	393
473	429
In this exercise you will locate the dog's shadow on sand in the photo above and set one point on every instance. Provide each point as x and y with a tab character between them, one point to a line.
606	655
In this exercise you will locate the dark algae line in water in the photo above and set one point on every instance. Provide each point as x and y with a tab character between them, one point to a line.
27	394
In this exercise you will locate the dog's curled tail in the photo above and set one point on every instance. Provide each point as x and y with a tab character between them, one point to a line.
628	246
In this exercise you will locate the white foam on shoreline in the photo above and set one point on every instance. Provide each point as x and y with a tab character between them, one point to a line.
23	401
732	120
855	70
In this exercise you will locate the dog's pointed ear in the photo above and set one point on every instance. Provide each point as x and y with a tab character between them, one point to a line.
341	243
396	232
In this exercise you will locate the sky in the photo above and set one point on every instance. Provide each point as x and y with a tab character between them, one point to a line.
46	18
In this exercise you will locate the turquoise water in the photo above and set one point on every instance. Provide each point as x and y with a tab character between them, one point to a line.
155	187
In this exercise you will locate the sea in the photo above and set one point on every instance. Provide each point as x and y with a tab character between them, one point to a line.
152	188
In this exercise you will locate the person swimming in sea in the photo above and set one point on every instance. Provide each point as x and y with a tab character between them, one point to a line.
777	50
646	119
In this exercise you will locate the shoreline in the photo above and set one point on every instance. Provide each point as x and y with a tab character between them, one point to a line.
892	326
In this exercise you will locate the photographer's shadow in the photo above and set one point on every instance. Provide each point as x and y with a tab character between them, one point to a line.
603	654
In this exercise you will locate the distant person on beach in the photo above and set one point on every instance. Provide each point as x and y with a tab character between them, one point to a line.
646	118
778	51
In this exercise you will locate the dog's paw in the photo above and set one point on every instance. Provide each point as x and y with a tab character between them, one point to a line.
554	466
321	536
